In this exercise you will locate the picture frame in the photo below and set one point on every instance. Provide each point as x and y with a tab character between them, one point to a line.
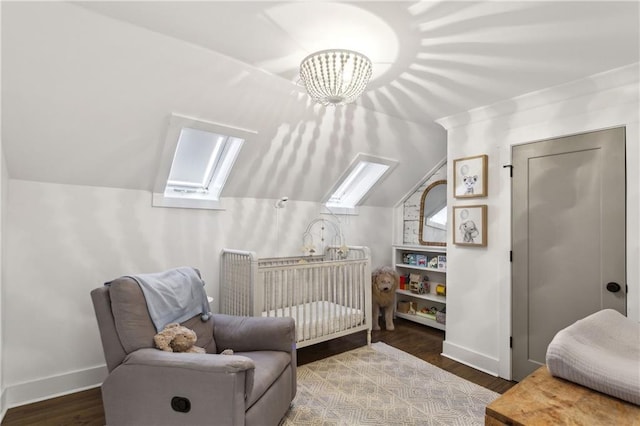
470	177
470	225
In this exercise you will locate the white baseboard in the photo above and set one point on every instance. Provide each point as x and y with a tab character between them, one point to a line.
471	358
51	387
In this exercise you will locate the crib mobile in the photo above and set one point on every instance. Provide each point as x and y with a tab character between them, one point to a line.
318	227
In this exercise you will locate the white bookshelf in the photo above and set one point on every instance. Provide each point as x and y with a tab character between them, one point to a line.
435	275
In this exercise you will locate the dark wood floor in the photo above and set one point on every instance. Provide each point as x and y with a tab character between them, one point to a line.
85	408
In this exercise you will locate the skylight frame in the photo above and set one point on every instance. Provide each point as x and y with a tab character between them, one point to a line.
204	192
365	171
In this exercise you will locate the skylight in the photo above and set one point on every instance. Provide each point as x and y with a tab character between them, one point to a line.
364	173
201	164
197	160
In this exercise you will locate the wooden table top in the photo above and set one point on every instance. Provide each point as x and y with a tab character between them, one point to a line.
541	399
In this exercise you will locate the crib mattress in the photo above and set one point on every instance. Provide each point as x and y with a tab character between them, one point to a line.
321	318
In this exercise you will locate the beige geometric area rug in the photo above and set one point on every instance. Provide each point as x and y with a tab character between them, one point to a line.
381	385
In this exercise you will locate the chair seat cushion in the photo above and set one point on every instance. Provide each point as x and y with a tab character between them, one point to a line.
269	366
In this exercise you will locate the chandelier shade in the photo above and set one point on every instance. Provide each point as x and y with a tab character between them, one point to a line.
335	77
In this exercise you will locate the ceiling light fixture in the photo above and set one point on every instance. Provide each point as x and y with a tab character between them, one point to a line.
336	76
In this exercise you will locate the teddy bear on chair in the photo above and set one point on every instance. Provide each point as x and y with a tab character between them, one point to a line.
176	338
384	282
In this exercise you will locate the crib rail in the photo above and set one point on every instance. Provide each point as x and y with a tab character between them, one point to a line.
286	261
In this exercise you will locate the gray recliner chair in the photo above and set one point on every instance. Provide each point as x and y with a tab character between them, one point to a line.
147	386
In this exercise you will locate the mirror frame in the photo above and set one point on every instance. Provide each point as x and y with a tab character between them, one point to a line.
421	225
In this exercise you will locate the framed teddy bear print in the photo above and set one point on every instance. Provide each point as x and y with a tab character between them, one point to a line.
470	225
470	177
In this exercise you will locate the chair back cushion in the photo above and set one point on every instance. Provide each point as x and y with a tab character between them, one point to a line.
130	315
134	325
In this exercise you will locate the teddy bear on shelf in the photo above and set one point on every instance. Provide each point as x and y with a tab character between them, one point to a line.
384	282
176	338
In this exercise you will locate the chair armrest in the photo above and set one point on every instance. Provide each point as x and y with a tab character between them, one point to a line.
202	362
244	334
216	385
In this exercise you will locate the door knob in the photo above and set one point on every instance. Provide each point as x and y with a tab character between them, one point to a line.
613	287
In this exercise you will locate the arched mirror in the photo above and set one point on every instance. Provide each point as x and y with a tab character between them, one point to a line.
433	215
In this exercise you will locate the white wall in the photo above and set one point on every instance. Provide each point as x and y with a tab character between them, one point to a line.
62	241
479	279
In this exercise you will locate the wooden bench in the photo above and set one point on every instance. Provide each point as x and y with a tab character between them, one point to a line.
541	399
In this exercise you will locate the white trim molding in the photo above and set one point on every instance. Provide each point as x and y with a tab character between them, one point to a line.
53	386
471	358
611	79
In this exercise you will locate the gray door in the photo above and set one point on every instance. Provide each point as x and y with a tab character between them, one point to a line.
568	207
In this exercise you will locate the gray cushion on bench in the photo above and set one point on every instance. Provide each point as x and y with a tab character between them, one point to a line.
601	352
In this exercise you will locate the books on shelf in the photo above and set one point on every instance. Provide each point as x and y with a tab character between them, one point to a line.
424	261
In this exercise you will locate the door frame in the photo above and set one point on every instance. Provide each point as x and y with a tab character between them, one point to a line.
590	138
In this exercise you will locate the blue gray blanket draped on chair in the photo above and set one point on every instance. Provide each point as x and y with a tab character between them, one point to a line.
174	295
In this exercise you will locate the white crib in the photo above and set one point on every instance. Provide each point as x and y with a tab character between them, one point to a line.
329	296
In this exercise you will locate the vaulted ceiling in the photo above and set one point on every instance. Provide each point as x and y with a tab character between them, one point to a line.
88	87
